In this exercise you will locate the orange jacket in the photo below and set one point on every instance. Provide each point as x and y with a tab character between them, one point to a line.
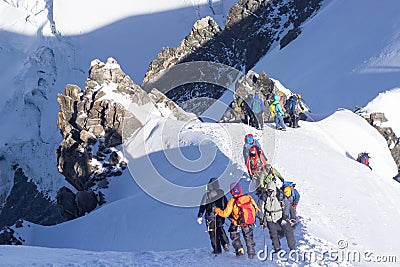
233	209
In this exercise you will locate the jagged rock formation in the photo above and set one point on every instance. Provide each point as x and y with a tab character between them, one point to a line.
91	126
7	237
94	122
26	202
252	27
202	33
376	119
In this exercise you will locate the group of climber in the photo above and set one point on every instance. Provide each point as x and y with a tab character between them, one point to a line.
252	108
276	206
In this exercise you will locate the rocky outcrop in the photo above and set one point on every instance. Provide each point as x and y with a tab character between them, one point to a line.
202	33
7	237
94	122
91	123
376	119
252	27
26	202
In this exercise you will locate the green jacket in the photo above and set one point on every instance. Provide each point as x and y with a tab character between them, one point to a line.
271	176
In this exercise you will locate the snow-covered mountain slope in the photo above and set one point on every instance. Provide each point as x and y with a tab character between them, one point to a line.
345	55
35	256
340	198
387	102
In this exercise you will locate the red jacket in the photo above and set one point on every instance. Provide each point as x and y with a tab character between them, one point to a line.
255	164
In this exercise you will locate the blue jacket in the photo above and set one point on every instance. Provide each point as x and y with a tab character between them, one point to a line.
278	108
247	146
295	197
257	98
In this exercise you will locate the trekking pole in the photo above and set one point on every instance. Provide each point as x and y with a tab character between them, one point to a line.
215	231
265	238
265	250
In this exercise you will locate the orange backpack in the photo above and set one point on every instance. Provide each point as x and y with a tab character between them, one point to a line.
247	212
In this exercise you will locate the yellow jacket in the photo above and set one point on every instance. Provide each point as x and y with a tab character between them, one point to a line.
233	209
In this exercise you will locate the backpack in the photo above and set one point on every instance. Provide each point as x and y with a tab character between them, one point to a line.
247	212
272	109
293	105
363	158
247	145
273	206
287	103
257	163
256	105
295	197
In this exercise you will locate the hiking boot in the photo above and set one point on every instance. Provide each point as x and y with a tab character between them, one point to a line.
284	129
251	256
216	252
240	252
226	247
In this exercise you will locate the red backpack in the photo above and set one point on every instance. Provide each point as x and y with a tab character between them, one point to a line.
247	212
363	158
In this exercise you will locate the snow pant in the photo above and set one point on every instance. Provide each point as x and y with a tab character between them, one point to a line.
218	239
288	120
252	120
247	232
259	120
295	120
279	123
274	229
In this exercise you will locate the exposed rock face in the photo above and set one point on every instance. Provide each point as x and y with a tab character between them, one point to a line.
252	27
396	153
94	122
7	237
393	142
26	202
202	32
91	124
